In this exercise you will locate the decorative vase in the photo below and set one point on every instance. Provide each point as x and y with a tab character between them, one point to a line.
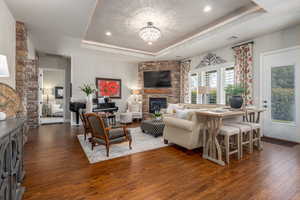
2	116
158	118
236	102
89	103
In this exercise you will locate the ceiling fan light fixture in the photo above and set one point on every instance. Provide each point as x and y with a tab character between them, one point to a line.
150	33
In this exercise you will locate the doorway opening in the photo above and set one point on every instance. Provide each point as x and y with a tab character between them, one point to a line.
54	88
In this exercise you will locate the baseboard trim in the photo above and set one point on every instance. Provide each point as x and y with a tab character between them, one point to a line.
279	141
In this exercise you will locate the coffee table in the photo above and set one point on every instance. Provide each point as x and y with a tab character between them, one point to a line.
153	127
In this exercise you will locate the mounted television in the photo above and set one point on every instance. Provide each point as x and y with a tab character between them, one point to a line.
157	79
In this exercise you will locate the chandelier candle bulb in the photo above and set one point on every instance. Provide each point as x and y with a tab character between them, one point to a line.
150	33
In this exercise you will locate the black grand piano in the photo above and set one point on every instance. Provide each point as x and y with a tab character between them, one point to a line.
98	107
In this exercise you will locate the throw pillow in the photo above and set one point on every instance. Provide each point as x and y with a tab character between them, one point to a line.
182	114
172	108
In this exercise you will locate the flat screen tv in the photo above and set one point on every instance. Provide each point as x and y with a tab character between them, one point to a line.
157	79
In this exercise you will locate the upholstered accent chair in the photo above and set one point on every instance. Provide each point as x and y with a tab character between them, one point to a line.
86	126
135	108
103	135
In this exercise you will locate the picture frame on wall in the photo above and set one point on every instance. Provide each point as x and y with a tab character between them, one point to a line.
107	87
59	92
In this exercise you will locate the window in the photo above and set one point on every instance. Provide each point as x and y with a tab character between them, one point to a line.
228	80
211	81
193	88
207	85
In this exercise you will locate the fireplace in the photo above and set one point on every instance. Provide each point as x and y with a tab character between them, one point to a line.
155	104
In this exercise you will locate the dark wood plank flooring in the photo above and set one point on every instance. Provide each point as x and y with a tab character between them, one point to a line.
57	169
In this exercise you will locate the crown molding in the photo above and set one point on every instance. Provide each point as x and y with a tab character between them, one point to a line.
234	17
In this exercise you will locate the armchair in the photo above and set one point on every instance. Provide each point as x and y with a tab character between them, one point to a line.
106	135
135	108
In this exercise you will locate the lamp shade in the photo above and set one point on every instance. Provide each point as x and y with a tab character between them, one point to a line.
136	91
3	66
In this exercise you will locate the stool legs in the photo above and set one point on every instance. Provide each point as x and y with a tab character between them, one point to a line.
257	138
228	152
246	138
227	148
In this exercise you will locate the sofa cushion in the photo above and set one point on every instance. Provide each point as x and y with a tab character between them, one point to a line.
182	114
173	107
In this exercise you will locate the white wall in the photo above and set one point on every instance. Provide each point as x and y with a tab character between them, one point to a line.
30	47
8	41
282	39
88	64
87	67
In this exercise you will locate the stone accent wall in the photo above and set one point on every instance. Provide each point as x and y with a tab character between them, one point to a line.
172	94
26	77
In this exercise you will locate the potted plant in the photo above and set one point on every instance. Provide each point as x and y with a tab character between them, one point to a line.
89	91
236	93
157	115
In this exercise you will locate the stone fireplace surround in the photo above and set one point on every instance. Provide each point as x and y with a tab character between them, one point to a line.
172	94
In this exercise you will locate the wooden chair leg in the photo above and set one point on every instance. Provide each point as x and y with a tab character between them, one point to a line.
84	136
93	144
227	148
130	141
107	150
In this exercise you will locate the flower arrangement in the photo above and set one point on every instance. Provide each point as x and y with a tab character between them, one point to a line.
87	89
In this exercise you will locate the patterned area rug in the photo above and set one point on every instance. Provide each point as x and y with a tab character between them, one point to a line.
140	142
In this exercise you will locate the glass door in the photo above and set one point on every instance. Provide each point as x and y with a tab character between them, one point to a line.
280	91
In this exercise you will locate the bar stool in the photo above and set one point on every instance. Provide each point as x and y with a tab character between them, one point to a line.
230	141
256	134
246	136
252	118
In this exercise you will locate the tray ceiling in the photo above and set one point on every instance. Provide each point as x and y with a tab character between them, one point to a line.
178	20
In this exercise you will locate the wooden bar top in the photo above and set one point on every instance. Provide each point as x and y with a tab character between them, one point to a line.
223	113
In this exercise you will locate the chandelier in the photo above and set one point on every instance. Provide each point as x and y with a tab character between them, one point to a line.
150	33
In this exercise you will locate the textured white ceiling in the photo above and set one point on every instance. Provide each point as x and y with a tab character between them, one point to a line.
50	22
65	17
177	19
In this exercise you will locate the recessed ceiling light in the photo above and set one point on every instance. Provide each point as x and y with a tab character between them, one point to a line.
150	43
233	38
207	8
108	33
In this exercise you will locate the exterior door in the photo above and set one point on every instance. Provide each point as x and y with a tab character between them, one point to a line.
281	94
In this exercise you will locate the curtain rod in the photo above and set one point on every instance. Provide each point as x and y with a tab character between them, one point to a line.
251	42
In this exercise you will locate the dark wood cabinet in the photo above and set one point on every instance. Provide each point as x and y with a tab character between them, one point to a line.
11	159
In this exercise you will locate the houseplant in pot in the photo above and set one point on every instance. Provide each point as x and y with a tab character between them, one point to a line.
235	92
89	91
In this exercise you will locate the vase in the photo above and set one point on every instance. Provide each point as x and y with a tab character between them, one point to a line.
89	103
236	102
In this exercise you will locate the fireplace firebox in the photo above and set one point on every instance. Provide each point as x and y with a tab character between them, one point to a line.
155	104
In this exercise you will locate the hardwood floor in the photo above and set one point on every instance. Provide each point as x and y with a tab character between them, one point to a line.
57	169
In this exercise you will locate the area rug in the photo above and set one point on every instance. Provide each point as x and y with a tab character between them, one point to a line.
140	142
